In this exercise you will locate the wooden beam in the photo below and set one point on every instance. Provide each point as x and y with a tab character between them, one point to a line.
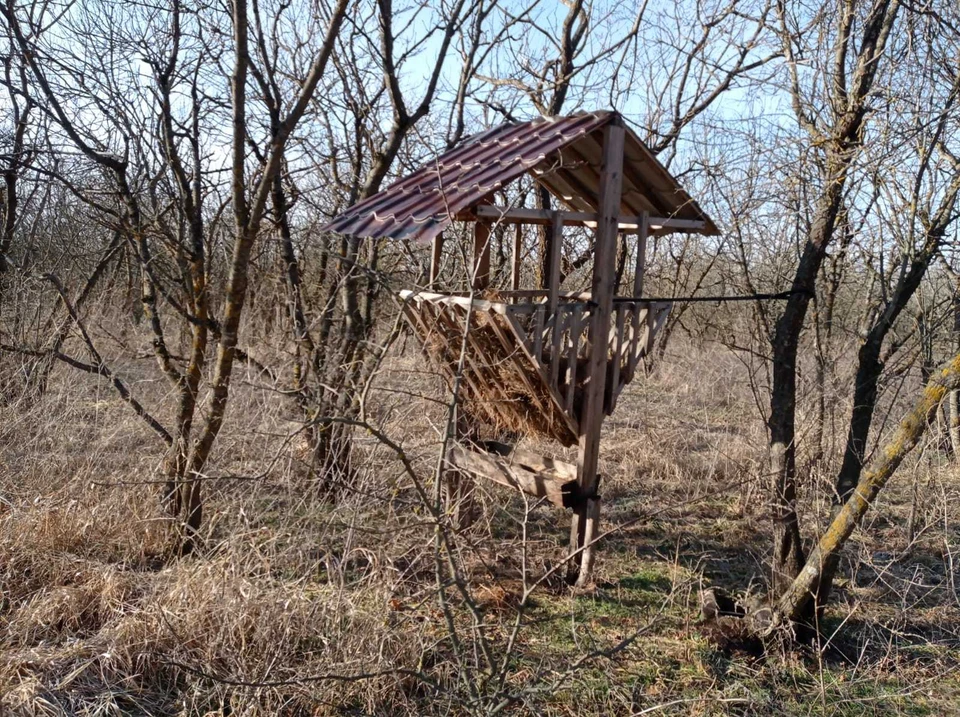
435	256
641	255
556	251
586	518
626	222
516	258
481	256
513	471
572	356
464	301
617	344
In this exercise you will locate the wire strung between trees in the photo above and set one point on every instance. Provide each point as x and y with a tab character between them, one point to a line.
783	295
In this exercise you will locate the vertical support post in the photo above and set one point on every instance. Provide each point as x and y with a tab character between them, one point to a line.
435	256
556	250
515	259
642	232
586	516
481	256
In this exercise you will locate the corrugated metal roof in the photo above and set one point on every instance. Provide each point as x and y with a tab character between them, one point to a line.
562	153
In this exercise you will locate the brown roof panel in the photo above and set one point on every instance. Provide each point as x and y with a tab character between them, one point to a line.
563	153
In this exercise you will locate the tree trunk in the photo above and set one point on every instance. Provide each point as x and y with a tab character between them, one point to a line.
794	603
953	403
866	384
787	547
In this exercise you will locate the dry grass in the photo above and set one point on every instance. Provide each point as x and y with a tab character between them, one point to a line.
298	606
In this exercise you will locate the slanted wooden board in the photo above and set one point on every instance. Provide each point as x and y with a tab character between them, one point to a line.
535	475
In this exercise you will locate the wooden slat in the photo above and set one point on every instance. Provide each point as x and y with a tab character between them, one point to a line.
557	325
411	313
627	336
651	328
475	355
537	369
512	354
515	259
556	251
641	255
572	356
615	354
417	312
642	310
469	375
537	348
482	389
623	358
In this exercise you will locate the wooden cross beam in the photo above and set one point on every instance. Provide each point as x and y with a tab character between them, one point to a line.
522	215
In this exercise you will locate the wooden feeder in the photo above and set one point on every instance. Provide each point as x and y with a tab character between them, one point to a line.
538	361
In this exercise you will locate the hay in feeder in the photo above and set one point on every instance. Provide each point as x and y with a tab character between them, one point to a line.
501	386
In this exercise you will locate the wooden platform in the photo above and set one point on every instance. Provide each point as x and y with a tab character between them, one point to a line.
524	364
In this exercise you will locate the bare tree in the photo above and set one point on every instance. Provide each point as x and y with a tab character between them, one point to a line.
832	106
249	200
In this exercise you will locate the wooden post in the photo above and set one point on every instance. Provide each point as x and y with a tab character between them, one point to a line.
586	517
642	231
515	265
436	253
556	250
481	256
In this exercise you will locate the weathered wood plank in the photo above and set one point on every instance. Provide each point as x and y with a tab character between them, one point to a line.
572	357
561	492
538	319
616	355
642	232
464	301
516	258
558	324
556	251
531	460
